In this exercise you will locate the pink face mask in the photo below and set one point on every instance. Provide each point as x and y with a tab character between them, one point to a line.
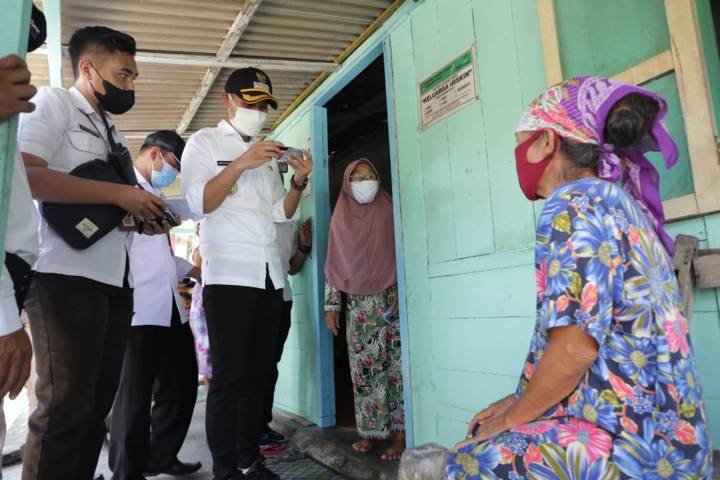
529	174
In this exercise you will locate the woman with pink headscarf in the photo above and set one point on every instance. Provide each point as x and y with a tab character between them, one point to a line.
361	276
609	388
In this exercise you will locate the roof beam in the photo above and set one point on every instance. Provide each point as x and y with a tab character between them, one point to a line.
274	64
226	48
51	9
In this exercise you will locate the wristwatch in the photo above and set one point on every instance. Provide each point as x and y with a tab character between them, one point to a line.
304	250
297	187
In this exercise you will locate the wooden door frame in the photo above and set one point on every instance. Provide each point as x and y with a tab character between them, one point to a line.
326	413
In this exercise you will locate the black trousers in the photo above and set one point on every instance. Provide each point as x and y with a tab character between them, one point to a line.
142	439
79	330
243	328
284	331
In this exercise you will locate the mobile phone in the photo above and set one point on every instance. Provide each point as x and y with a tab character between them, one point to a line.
169	217
289	152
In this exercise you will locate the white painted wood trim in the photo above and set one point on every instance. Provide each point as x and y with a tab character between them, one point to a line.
549	39
695	101
650	69
681	207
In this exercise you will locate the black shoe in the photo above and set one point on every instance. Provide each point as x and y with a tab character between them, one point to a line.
177	469
270	436
258	471
100	477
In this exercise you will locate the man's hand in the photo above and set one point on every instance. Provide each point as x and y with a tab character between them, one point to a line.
306	233
15	356
301	166
144	205
258	154
333	322
15	88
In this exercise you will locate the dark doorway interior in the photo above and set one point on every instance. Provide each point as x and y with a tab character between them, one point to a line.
357	128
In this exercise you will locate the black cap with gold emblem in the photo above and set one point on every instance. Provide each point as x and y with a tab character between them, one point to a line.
252	85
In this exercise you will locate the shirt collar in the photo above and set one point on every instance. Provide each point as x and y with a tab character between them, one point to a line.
82	104
143	182
228	130
80	101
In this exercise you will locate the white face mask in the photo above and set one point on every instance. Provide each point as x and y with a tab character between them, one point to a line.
248	121
365	191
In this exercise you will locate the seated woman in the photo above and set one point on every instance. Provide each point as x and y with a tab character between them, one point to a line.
609	389
361	275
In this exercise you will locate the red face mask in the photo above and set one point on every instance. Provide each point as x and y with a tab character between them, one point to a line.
529	174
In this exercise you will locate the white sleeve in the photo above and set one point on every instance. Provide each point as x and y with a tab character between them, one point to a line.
196	170
278	211
41	132
9	314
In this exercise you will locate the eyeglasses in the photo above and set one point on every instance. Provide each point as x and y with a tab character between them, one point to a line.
175	162
361	177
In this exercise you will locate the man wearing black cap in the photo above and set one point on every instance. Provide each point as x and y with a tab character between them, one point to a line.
233	180
160	345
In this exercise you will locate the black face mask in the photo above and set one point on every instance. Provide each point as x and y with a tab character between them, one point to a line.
116	100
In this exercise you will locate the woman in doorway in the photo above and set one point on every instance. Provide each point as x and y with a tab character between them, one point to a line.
361	276
609	389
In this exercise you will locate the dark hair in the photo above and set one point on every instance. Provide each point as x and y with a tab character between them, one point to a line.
627	123
103	39
630	119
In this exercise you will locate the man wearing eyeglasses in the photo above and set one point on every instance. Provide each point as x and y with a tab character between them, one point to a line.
146	442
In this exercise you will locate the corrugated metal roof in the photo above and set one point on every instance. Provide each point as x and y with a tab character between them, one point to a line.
285	30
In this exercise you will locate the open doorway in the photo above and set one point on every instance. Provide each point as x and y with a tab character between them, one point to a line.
357	124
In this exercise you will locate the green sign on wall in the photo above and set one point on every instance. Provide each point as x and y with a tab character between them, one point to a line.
448	89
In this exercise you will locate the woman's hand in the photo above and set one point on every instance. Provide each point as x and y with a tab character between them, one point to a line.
486	430
488	417
333	321
306	233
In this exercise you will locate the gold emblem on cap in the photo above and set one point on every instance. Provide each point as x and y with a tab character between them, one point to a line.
261	77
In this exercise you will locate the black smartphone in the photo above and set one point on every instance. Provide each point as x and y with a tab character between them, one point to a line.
169	217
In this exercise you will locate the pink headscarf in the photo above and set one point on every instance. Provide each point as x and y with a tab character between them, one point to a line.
361	247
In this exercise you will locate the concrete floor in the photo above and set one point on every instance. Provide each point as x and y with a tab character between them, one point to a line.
292	466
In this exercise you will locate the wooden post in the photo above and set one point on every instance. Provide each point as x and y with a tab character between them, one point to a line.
549	38
695	100
14	31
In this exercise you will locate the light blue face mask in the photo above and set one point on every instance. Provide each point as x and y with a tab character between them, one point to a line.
165	177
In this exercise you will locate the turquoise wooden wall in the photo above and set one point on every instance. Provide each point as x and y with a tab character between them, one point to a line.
467	229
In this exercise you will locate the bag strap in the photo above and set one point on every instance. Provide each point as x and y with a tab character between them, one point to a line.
117	153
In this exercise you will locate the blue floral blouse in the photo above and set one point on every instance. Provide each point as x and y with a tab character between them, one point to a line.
639	411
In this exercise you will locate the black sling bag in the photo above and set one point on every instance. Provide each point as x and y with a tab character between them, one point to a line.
81	226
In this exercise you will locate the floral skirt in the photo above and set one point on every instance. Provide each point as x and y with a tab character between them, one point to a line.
571	448
198	325
375	365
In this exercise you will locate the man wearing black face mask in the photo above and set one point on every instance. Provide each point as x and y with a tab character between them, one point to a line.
80	304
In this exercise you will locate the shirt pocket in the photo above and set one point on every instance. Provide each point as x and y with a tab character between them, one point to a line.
85	146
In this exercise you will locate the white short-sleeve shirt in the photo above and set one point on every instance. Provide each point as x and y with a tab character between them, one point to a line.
238	239
65	131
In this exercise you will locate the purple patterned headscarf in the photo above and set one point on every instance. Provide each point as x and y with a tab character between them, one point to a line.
576	109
